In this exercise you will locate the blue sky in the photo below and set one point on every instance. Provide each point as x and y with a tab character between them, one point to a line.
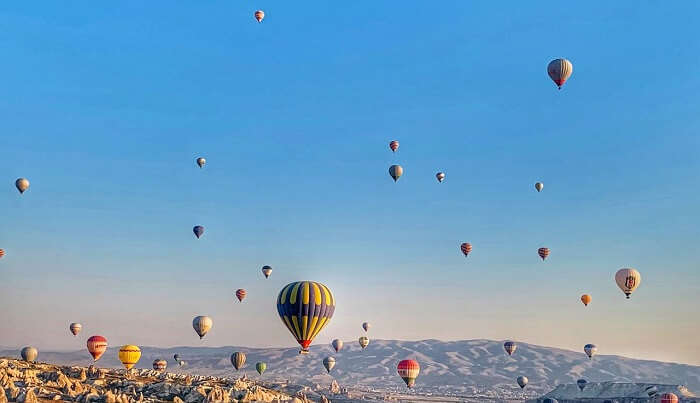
106	106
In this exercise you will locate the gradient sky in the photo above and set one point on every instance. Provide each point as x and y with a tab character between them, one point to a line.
105	107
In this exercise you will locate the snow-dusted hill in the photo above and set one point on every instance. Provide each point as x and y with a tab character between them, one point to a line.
458	366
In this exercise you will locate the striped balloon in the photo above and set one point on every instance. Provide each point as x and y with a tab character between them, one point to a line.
160	365
305	308
364	341
408	371
510	347
267	270
2	252
394	145
238	360
129	355
466	248
337	344
96	345
669	398
240	294
559	71
75	328
259	15
29	354
543	252
202	325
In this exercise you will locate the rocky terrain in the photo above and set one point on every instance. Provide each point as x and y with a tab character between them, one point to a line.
26	382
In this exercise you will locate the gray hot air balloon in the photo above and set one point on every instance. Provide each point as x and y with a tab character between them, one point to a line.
201	161
539	186
581	383
395	171
29	354
238	360
201	325
366	326
181	363
337	344
329	363
22	184
522	381
176	357
198	231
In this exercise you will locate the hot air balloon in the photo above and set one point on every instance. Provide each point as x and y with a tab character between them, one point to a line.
240	294
510	347
29	354
364	341
366	326
22	184
238	360
259	15
628	280
329	363
581	383
267	270
201	161
2	252
394	145
590	350
586	299
408	371
559	71
96	345
75	328
198	231
651	390
201	325
337	344
543	252
176	357
669	398
160	365
260	367
466	248
129	355
395	171
522	381
440	176
305	308
181	363
539	186
550	400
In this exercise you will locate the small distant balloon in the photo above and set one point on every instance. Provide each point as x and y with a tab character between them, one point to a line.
581	383
181	363
260	15
522	381
586	299
440	176
466	248
651	390
366	326
2	252
160	365
260	367
238	360
543	252
510	347
176	357
329	363
240	294
669	398
75	328
201	161
364	341
96	345
29	353
337	344
539	186
628	280
22	184
590	350
202	325
267	270
129	355
198	231
559	71
395	171
550	400
408	371
394	145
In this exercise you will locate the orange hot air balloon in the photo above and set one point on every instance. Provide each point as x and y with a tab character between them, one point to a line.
586	299
669	398
2	252
240	294
394	145
466	248
543	252
96	345
259	15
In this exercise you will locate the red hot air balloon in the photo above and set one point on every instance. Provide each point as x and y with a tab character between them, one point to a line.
240	294
394	145
669	398
408	371
96	345
466	248
543	252
2	252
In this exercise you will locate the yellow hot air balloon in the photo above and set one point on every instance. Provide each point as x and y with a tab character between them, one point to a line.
586	299
129	355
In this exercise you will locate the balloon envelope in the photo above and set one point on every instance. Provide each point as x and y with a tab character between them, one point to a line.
240	294
201	325
22	184
259	15
590	350
394	145
559	71
267	270
198	231
408	371
522	381
129	355
539	186
440	176
366	326
238	360
510	347
364	341
176	357
75	328
466	248
581	383
305	308
628	280
337	344
260	367
29	353
669	398
2	252
160	365
96	345
395	171
329	363
201	161
543	252
586	299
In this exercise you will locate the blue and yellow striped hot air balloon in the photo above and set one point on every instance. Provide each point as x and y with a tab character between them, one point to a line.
305	307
